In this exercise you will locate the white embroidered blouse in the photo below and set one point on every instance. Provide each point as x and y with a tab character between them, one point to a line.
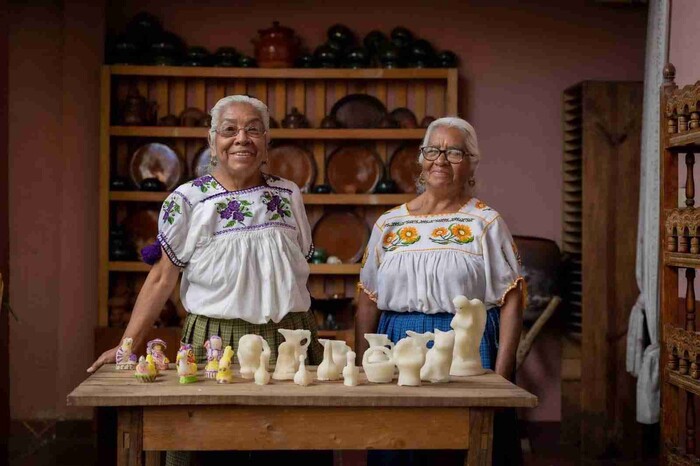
421	262
243	253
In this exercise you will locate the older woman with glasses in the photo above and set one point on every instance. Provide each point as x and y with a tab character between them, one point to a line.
241	239
442	244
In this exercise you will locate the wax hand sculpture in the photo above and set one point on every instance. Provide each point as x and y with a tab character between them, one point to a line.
156	348
249	349
351	372
468	323
224	373
289	351
262	376
409	358
302	377
125	358
213	346
186	365
439	358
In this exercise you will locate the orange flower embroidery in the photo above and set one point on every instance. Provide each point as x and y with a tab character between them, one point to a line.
439	232
409	235
389	238
462	233
481	205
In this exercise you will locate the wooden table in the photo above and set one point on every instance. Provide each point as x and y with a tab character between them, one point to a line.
166	415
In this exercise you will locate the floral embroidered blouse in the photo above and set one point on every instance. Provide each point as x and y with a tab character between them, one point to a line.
421	262
243	253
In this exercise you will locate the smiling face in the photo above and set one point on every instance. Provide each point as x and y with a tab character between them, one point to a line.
241	154
441	174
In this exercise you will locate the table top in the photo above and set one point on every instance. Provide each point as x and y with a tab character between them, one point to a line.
111	387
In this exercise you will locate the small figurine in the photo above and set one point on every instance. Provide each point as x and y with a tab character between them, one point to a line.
224	373
382	369
262	376
249	348
328	370
186	365
146	369
340	349
126	359
409	358
350	372
376	340
213	347
439	358
156	348
303	377
288	352
468	323
421	338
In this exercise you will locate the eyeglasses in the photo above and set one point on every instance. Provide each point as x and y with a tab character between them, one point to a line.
452	155
253	131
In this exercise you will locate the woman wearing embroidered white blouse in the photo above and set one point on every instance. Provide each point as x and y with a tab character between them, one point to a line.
241	239
443	243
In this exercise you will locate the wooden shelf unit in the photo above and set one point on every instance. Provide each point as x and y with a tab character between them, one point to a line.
680	246
312	91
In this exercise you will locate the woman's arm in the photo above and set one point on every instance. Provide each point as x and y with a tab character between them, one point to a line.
155	292
509	332
366	321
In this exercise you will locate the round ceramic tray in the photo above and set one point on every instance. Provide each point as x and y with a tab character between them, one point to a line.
358	111
404	168
342	234
354	169
200	163
156	160
404	117
293	163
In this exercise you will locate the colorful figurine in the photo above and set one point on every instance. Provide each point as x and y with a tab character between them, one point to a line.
186	365
224	373
213	346
156	348
126	359
146	369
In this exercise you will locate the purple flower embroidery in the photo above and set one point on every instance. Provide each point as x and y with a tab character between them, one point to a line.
204	183
276	204
170	208
233	210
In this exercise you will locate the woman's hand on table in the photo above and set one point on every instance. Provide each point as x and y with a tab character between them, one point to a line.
108	357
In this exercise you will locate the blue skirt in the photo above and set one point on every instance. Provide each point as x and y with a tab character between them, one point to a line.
395	324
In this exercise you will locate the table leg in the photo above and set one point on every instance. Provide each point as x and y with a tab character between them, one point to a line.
130	437
480	437
152	458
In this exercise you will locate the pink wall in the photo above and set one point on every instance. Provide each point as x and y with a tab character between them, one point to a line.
517	58
684	33
55	53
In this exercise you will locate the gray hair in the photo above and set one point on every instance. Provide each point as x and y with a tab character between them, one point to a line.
470	140
222	104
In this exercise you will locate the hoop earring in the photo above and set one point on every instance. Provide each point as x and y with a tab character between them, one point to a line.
471	181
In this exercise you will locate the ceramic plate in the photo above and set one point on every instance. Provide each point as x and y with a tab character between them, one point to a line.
404	117
354	169
404	168
342	234
293	163
200	163
358	111
156	160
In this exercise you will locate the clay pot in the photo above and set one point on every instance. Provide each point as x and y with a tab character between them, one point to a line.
277	47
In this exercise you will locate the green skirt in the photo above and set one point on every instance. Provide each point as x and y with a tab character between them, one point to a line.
197	329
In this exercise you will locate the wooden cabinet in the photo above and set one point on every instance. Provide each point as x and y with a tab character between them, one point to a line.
602	127
680	252
312	91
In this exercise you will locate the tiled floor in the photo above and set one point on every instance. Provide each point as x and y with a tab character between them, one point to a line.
73	444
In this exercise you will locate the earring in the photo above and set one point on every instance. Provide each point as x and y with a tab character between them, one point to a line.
213	161
471	181
421	179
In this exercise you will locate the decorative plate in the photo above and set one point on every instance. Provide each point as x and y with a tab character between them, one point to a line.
293	163
358	111
342	234
404	168
156	160
353	169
